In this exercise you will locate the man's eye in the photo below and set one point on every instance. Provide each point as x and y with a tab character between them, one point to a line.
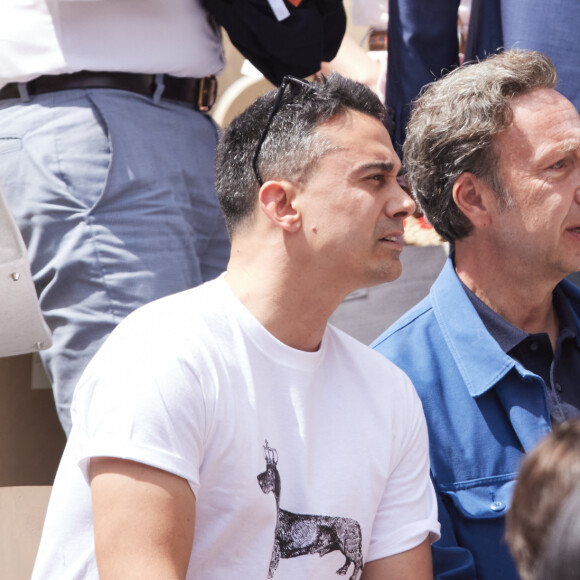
559	164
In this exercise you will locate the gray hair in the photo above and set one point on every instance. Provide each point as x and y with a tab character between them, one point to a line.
292	147
452	126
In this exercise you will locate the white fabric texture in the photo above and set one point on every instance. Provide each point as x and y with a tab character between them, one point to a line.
40	37
199	388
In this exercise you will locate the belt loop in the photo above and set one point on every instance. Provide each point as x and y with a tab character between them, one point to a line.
23	92
159	88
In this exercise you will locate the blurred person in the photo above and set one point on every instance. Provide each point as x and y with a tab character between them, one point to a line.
423	44
367	65
235	401
532	25
356	63
548	475
493	159
370	67
561	555
106	161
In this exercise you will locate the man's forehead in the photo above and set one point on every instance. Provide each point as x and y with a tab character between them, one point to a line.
538	97
534	104
347	130
349	120
364	159
542	118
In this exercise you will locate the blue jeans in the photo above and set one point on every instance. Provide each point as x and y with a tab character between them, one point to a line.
115	199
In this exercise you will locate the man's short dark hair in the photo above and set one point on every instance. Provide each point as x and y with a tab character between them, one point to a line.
452	128
292	147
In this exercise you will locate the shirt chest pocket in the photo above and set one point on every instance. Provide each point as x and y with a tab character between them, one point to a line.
479	499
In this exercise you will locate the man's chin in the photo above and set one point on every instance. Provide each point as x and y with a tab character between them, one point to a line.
388	274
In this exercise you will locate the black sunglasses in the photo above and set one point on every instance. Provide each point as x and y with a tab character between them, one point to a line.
275	108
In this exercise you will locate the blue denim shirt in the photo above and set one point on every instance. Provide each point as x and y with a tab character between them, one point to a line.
484	411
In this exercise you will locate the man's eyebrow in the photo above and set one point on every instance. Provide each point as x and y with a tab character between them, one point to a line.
563	149
384	166
569	147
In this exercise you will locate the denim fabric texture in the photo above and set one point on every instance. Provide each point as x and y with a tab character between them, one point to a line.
484	412
114	196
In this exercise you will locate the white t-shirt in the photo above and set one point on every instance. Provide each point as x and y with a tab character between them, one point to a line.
39	37
194	385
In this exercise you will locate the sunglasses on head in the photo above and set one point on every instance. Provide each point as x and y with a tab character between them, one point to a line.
275	108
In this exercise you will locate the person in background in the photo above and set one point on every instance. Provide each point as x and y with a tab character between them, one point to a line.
424	43
493	158
106	161
561	555
234	402
535	532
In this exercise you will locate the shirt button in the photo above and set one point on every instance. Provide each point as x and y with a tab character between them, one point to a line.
559	387
497	506
534	346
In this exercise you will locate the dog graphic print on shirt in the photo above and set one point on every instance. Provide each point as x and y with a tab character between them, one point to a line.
299	534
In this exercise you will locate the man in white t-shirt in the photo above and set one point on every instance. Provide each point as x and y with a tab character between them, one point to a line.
228	431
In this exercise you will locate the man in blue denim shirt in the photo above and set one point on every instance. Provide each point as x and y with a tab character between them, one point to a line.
493	155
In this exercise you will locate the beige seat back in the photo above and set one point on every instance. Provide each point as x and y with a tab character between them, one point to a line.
23	509
238	97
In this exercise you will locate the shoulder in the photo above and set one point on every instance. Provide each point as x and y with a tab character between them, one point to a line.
174	318
414	322
363	357
420	347
163	344
373	379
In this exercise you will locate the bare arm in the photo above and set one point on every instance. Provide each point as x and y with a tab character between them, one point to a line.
144	520
353	62
414	563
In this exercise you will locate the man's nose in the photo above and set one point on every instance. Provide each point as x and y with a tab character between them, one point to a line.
401	205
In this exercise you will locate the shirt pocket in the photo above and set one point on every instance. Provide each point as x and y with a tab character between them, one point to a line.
480	499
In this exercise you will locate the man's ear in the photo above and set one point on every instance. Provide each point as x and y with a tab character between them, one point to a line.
276	200
472	197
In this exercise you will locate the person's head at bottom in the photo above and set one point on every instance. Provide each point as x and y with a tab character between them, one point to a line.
548	475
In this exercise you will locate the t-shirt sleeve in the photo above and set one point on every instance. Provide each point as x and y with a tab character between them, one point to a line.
141	402
407	514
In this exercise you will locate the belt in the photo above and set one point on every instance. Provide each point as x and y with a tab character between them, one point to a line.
197	93
378	39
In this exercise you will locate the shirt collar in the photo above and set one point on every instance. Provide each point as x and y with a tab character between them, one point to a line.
506	334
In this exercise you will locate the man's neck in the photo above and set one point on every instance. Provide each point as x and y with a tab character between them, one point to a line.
522	298
290	305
